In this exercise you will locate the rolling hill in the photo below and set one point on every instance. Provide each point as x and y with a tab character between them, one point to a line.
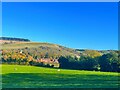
53	55
9	43
22	44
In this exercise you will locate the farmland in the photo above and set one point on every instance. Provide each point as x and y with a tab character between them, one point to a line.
20	76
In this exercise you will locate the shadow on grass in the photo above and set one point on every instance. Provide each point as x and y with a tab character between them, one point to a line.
49	80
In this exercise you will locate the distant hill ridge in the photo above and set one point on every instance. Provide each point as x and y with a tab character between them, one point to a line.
14	39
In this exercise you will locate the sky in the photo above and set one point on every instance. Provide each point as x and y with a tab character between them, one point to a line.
75	25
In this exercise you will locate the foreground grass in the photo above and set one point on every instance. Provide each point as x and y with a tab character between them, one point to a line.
15	76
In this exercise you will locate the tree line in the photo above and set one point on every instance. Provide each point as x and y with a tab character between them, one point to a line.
107	62
89	60
14	39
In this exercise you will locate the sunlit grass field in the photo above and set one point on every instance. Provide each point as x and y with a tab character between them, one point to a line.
17	76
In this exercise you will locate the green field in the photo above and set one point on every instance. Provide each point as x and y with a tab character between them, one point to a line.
15	76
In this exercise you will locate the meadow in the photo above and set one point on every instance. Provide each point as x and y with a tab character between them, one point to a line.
21	76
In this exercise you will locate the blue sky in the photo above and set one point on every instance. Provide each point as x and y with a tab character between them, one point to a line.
74	25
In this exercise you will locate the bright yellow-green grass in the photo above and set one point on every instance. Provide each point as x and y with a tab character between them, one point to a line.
17	76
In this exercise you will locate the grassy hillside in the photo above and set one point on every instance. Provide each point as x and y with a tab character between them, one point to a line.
49	47
15	76
42	47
